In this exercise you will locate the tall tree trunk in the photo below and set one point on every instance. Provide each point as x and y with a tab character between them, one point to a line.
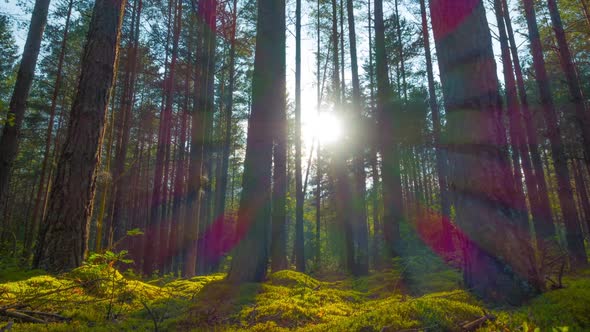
32	230
102	209
299	194
18	102
517	139
198	135
359	223
318	193
581	116
152	250
119	178
229	114
441	160
268	96
278	241
483	204
542	217
401	52
64	239
343	200
207	84
575	241
390	166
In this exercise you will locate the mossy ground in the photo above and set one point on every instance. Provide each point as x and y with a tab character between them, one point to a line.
109	301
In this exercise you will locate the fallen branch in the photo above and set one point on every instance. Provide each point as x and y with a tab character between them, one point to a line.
474	325
46	314
22	316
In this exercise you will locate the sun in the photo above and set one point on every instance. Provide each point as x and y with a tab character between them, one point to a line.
327	127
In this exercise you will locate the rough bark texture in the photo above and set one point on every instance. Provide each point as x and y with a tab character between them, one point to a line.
483	204
268	96
63	242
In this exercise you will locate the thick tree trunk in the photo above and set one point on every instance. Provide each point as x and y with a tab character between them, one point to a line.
64	239
18	102
483	204
390	166
268	96
574	237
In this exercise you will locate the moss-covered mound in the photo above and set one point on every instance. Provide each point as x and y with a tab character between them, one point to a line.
108	301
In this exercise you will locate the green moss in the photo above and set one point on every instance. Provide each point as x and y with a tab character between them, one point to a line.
568	307
287	301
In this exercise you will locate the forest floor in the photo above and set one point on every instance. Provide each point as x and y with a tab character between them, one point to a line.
428	297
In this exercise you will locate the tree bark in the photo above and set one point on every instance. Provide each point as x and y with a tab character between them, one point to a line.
475	140
64	239
268	95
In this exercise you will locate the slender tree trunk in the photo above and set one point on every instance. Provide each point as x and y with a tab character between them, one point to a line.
359	223
318	195
32	230
153	250
278	239
583	192
575	241
299	194
268	96
401	52
18	102
228	118
119	178
586	11
517	139
64	239
441	160
390	166
542	217
581	116
107	168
